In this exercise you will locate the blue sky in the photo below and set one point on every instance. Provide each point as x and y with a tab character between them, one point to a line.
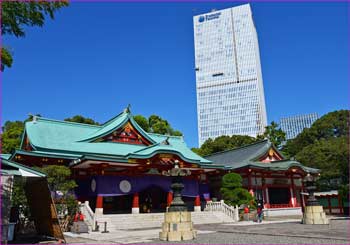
96	58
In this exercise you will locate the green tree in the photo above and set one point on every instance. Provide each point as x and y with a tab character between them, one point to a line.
19	199
81	119
332	125
59	179
11	136
16	15
142	122
331	156
156	124
223	143
232	191
274	134
324	146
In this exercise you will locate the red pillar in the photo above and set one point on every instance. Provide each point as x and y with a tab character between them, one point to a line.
250	189
197	201
99	205
99	202
135	204
293	196
135	200
329	204
169	198
197	204
340	204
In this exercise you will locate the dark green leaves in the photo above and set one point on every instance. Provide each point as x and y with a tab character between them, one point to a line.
16	15
223	143
232	191
156	124
81	119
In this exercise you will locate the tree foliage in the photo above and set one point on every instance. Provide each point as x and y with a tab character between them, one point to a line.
232	191
142	122
16	15
274	134
325	146
156	124
81	119
11	135
332	125
58	178
223	143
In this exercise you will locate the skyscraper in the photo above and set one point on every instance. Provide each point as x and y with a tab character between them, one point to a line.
294	125
230	92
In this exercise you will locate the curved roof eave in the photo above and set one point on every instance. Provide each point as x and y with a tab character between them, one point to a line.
160	151
103	132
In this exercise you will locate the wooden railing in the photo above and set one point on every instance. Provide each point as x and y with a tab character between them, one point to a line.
89	215
230	211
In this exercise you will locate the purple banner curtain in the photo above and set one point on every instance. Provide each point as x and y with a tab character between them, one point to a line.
125	185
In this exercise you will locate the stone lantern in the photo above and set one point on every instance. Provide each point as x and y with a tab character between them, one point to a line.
177	225
313	213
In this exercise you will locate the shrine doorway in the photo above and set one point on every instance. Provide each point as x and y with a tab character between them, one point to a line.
153	200
279	195
117	204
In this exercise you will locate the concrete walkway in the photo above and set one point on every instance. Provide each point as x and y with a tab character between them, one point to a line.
285	231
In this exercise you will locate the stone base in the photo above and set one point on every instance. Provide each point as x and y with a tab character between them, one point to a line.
314	215
177	227
79	227
197	208
99	211
135	210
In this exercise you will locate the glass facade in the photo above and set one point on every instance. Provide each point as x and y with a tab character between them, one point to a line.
293	126
230	93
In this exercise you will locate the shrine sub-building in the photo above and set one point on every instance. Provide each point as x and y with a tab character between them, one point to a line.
118	166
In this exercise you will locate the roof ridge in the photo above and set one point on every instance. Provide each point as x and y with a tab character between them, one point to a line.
64	122
238	148
147	147
165	135
113	118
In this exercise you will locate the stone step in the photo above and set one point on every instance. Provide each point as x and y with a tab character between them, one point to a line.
138	221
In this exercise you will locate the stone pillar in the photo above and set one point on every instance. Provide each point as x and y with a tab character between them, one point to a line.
169	198
99	205
197	204
135	204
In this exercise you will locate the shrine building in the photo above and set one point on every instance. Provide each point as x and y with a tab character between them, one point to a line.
266	173
119	167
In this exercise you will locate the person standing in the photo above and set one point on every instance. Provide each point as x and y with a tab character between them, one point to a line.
260	212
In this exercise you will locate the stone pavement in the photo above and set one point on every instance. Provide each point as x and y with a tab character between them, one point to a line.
268	232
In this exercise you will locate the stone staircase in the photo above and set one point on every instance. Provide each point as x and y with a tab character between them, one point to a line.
155	220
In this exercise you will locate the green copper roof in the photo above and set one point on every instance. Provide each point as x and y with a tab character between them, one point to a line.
247	156
62	137
5	156
13	168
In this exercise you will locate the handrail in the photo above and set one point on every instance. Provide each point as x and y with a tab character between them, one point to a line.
88	213
221	206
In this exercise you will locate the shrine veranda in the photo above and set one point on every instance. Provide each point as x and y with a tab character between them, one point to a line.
118	166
